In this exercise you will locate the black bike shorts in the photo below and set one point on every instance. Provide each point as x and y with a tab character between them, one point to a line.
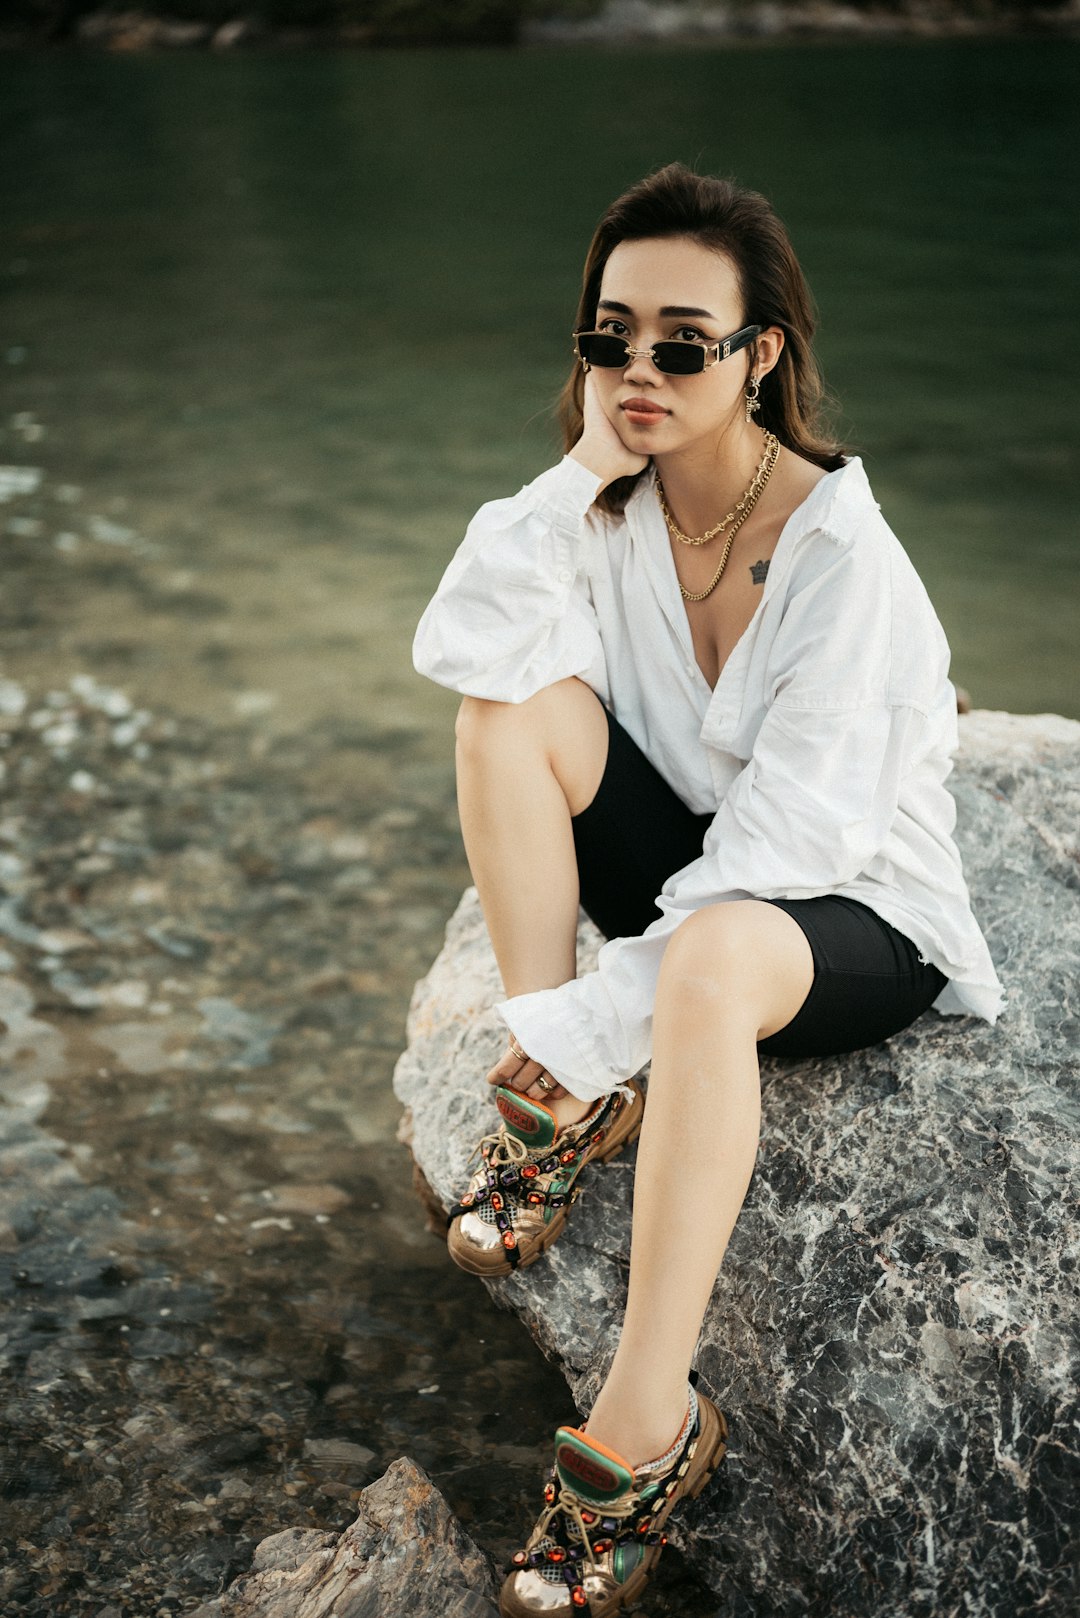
868	980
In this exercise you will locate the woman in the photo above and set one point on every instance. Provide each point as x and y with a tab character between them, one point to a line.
704	694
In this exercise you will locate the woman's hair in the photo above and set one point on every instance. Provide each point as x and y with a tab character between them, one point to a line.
675	201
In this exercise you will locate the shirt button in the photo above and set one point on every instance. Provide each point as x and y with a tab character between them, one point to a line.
565	576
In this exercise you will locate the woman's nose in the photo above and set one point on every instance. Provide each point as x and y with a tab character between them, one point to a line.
641	368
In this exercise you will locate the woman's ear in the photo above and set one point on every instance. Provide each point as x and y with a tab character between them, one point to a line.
768	345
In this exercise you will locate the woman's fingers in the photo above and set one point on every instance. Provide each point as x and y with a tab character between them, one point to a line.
531	1086
526	1079
522	1076
597	427
507	1068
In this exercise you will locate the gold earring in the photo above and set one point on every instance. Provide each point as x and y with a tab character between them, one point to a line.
752	401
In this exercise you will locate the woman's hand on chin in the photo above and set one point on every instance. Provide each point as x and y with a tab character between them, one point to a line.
600	448
522	1076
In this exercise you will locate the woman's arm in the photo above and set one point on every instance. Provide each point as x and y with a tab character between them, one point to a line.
513	612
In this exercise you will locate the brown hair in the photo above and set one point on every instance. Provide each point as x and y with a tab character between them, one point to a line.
718	213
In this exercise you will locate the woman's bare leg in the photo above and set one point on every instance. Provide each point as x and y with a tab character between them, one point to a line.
522	770
732	974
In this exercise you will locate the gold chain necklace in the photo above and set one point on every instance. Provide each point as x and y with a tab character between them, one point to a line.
747	503
757	483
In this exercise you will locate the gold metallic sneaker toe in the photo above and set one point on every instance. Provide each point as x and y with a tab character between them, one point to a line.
526	1593
518	1201
478	1247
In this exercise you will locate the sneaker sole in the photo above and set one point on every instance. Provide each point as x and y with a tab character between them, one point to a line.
622	1133
710	1451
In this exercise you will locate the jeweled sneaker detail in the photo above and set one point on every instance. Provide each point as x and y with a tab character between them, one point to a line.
518	1200
602	1528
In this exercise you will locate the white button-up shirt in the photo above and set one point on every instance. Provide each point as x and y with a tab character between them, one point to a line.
822	753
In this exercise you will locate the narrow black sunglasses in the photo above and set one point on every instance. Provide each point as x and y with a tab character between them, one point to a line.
677	357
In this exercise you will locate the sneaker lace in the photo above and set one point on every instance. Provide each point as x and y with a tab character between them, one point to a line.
502	1147
571	1505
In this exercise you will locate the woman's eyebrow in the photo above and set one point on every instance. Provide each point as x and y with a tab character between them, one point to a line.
668	309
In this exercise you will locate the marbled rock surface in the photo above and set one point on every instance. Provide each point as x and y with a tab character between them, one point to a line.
894	1333
404	1557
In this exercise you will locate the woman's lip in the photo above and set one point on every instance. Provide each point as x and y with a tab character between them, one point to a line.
644	418
642	407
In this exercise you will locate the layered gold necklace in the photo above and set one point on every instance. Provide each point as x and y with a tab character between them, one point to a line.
737	517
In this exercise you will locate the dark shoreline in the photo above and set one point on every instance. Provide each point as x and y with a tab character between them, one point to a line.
136	29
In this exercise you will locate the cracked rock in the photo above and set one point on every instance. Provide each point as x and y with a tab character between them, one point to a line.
405	1556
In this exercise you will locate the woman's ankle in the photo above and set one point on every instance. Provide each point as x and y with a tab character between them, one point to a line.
637	1432
569	1110
637	1441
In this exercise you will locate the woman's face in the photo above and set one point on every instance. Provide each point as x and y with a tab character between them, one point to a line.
669	287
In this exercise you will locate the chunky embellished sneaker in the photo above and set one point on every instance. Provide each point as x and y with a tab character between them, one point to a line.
518	1200
601	1532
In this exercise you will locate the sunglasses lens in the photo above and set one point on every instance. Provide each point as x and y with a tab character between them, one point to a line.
599	348
680	359
677	359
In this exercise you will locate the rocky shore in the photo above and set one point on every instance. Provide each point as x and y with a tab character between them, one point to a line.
201	1309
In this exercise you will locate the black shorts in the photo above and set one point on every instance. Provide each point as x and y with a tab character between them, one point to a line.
868	980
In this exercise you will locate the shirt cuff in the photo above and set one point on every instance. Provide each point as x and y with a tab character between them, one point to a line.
565	491
539	1024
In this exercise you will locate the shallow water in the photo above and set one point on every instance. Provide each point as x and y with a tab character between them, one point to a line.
274	327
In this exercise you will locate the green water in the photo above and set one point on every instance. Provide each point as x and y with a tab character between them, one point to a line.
306	313
273	327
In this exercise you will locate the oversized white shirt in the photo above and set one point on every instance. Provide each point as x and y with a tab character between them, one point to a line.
822	753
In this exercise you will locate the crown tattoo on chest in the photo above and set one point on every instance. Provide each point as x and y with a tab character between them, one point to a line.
758	571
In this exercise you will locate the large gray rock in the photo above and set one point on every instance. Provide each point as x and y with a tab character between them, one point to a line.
405	1556
894	1333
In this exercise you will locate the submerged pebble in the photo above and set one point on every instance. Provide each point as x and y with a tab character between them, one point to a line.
19	480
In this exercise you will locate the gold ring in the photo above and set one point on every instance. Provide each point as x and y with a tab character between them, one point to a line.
545	1084
516	1050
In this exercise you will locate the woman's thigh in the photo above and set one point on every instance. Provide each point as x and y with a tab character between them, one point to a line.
868	980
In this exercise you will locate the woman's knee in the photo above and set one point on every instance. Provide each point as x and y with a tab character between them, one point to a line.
562	722
473	716
728	934
706	955
481	719
741	958
481	713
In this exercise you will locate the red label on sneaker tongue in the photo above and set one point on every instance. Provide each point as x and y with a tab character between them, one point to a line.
593	1473
598	1477
526	1122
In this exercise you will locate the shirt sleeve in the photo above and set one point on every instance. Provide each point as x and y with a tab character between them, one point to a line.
513	612
808	811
